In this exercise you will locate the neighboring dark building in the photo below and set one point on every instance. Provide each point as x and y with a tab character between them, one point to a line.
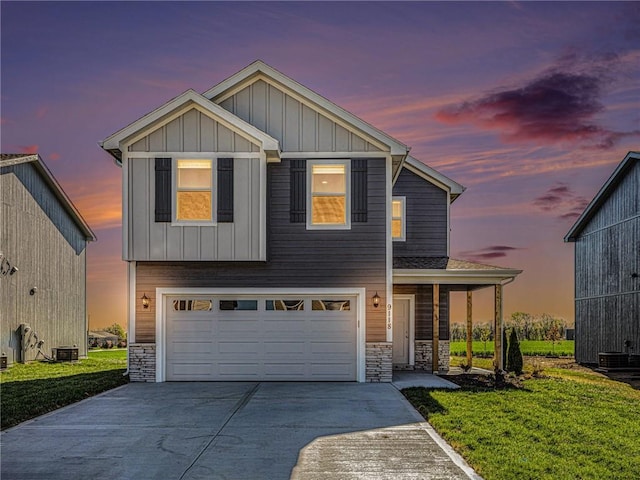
43	243
607	266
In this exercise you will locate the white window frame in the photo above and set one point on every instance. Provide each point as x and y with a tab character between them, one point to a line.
347	173
174	192
403	203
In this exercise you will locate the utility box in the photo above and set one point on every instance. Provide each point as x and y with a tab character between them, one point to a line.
3	362
65	354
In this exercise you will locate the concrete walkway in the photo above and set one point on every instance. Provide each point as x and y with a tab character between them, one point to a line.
232	431
417	378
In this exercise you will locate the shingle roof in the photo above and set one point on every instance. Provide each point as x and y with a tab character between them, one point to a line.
440	263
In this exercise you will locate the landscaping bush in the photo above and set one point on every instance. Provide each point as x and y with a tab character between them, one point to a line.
514	355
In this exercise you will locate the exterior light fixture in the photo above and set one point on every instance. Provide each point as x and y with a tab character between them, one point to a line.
33	291
376	300
145	301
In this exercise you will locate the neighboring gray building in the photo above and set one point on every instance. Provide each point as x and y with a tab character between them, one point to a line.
607	266
43	243
269	234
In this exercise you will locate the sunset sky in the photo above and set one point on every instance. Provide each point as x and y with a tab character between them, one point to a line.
529	105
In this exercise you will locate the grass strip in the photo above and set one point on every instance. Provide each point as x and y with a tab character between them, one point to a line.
571	425
30	390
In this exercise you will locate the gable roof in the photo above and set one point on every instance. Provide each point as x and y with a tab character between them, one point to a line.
605	192
11	159
431	175
259	69
111	144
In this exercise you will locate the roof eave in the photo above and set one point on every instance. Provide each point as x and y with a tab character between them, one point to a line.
604	192
259	67
453	277
112	144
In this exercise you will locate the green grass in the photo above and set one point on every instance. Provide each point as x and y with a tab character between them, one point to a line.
33	389
571	425
528	347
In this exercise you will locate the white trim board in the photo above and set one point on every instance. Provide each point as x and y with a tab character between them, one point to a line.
161	317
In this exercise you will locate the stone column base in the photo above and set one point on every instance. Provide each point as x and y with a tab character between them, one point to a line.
142	362
378	362
424	355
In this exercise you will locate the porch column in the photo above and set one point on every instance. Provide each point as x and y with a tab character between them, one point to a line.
436	327
469	328
497	328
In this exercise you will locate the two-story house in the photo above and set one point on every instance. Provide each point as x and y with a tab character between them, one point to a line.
272	235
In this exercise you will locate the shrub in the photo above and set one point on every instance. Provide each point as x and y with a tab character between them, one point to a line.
514	355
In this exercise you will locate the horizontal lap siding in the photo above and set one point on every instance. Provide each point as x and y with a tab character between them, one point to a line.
424	309
297	257
607	253
426	217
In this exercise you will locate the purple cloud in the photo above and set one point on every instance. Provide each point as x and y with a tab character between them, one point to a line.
488	253
561	197
556	106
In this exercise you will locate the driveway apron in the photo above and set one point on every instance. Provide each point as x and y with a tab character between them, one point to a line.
232	430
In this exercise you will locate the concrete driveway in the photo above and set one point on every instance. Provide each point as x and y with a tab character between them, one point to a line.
231	431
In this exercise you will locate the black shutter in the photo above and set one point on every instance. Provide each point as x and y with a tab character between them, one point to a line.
298	193
225	190
163	190
359	190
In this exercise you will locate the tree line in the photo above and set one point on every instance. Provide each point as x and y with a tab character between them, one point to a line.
526	326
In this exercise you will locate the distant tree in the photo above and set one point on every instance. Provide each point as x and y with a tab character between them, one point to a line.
523	323
116	329
514	355
458	332
554	331
485	334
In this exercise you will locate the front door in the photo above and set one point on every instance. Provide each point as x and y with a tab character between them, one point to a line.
401	331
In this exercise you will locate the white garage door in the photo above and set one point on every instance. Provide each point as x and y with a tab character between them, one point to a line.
261	337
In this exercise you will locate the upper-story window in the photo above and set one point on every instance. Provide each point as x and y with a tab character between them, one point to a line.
194	191
328	194
398	229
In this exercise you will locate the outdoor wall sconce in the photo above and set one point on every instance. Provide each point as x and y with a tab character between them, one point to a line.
376	300
33	291
145	301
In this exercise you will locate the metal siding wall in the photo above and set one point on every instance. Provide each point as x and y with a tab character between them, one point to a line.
298	127
426	222
297	257
43	241
607	253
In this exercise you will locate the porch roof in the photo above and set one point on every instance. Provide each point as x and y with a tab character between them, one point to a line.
449	271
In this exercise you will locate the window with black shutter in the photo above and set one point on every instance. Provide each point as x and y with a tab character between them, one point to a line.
225	190
359	191
163	190
298	195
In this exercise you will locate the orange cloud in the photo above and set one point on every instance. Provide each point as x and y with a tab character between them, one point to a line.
55	156
30	149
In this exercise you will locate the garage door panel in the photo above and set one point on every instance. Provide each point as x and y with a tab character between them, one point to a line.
242	348
178	347
283	348
258	344
333	348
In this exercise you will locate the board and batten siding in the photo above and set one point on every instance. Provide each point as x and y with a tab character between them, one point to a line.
193	132
426	217
298	127
296	257
41	239
151	240
424	309
607	253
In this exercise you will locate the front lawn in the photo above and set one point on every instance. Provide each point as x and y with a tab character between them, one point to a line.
572	424
528	347
32	389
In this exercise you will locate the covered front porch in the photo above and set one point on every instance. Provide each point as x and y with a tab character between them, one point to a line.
421	323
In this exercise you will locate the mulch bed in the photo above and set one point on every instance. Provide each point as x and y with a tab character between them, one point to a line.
474	381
